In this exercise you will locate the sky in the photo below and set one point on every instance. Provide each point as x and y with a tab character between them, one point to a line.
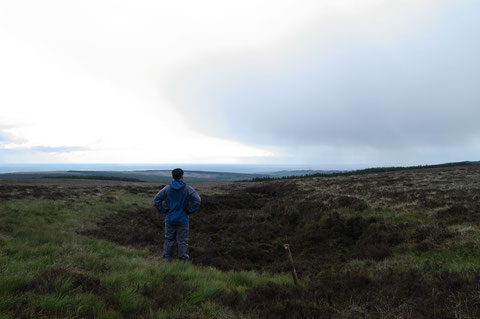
324	83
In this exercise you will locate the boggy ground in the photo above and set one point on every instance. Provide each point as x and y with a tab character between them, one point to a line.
399	244
325	220
403	244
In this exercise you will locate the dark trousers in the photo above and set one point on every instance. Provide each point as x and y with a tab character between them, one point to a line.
176	234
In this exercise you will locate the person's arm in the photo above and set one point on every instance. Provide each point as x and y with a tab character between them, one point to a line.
196	200
158	200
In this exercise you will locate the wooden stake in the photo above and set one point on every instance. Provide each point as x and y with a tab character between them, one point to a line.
290	259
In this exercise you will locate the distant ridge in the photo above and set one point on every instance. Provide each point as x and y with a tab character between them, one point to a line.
102	178
198	176
152	176
158	175
368	171
288	173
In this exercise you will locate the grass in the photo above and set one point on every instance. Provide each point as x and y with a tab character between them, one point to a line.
48	269
393	245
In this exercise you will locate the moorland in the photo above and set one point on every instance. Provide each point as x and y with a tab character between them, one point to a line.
387	244
154	176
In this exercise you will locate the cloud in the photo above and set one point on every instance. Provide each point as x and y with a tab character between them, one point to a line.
212	81
17	149
353	91
61	149
85	74
6	137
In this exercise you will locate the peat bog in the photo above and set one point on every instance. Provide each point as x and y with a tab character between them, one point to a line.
396	244
341	230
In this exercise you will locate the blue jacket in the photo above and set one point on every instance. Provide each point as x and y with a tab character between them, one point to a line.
177	196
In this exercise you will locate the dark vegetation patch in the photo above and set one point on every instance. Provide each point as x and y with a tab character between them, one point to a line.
431	236
60	192
333	239
54	277
166	294
347	202
11	192
234	201
101	178
460	213
57	280
140	228
274	189
356	295
246	230
143	190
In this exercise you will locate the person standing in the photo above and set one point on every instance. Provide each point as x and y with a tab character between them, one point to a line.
181	200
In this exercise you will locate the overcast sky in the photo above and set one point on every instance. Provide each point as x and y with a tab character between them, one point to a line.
320	83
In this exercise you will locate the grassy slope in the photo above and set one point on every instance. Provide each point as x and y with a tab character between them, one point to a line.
48	270
401	244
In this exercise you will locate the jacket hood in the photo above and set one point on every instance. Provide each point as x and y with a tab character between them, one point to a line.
177	184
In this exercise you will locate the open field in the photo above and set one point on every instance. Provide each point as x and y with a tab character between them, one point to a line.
402	244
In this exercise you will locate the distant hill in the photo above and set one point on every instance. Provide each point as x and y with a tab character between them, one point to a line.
197	176
363	171
153	176
286	173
